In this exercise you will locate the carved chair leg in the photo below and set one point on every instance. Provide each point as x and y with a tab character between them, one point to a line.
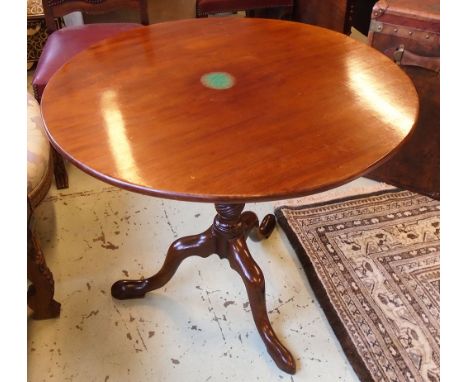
41	292
242	262
202	245
60	172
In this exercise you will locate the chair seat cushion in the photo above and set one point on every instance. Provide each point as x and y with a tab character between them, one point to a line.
38	151
205	7
63	44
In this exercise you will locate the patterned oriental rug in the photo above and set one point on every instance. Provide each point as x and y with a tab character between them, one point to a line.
373	262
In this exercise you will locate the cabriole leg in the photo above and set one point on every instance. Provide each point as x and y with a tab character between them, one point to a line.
231	227
197	245
242	262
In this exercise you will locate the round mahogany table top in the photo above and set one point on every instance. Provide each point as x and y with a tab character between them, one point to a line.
229	109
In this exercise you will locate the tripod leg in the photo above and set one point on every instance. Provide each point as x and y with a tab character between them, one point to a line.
255	230
197	245
242	262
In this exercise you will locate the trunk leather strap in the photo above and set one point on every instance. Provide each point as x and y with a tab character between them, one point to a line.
404	57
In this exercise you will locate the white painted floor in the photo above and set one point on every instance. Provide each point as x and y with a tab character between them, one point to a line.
198	328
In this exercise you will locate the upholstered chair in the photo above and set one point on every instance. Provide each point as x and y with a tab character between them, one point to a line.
41	291
253	8
66	42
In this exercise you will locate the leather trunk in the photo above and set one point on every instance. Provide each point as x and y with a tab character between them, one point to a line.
408	32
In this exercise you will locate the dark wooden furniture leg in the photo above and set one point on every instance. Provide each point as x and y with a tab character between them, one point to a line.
242	262
60	173
41	292
227	238
197	245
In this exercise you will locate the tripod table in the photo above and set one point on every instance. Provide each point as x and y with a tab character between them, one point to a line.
228	111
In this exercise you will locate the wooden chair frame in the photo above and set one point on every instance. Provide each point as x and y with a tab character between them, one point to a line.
59	8
276	12
41	291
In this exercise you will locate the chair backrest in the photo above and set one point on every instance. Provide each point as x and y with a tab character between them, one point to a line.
59	8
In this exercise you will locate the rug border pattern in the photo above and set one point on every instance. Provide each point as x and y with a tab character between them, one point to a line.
339	328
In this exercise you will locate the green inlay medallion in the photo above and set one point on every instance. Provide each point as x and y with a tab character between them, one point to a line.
218	80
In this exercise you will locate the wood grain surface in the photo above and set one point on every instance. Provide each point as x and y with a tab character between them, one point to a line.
309	109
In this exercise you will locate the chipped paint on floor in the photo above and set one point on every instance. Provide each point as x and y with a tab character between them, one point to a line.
198	327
